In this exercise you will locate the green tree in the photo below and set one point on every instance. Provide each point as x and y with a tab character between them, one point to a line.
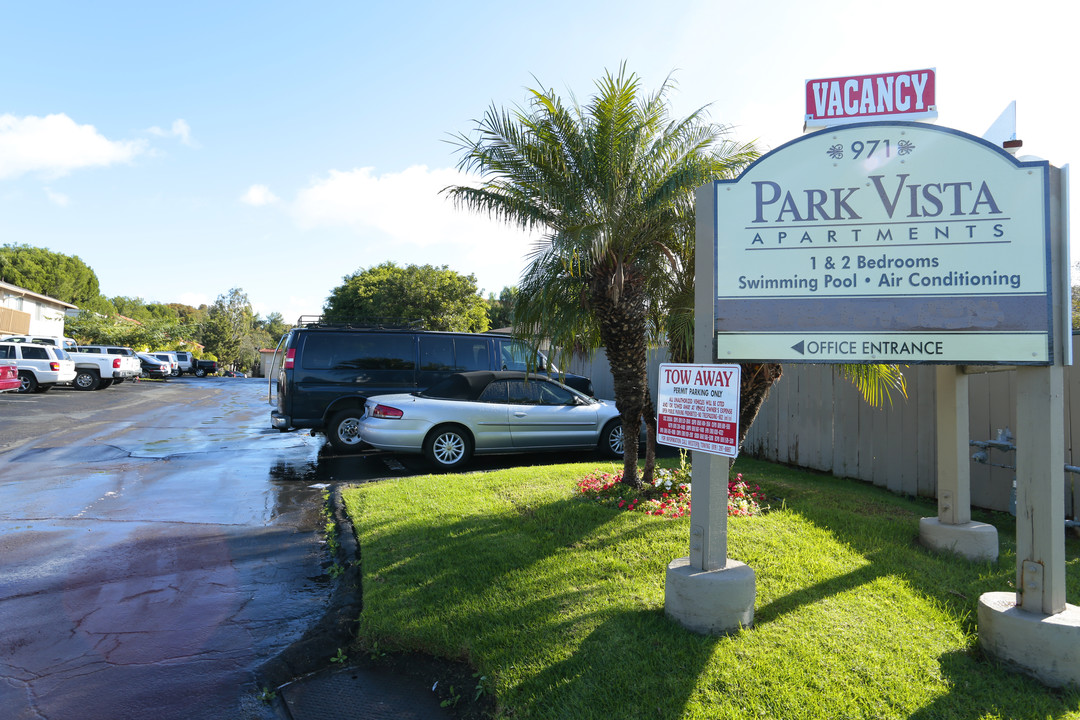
609	184
132	307
1076	302
227	330
501	309
275	327
40	270
438	297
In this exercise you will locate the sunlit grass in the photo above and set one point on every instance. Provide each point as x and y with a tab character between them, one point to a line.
560	602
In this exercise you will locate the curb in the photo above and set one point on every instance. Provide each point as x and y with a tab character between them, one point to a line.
337	627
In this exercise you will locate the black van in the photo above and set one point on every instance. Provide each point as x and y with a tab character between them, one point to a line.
329	370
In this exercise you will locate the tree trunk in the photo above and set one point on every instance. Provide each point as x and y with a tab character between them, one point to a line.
621	316
757	379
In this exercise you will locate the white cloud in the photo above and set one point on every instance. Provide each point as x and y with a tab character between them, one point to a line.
180	130
57	198
407	219
195	299
259	195
55	145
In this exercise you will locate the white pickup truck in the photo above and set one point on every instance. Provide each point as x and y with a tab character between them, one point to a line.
94	370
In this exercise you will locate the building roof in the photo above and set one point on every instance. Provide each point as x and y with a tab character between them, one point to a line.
10	289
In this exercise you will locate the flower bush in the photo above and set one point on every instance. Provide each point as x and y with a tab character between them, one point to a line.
669	494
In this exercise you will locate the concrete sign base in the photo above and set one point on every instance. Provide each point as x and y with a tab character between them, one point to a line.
973	540
1047	647
710	602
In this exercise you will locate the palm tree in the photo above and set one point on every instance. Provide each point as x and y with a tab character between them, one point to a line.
608	184
673	319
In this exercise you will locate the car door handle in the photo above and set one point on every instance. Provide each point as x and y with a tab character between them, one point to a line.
520	413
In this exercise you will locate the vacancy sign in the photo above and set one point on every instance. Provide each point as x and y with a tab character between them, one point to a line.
698	408
908	95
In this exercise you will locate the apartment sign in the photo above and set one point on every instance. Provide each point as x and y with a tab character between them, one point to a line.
885	242
908	95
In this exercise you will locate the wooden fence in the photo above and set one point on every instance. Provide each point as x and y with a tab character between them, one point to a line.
815	419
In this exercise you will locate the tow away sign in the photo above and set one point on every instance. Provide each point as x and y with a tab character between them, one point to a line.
698	408
908	95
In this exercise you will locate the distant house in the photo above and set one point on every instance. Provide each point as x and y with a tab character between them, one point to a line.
23	312
269	362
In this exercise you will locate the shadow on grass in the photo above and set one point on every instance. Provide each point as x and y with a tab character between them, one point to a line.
655	664
1000	693
883	529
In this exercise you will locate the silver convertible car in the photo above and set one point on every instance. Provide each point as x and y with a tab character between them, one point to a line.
490	412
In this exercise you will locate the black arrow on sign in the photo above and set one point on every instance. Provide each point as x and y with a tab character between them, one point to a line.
798	347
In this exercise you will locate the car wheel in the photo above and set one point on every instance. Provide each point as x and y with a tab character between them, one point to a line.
144	374
612	440
43	388
27	382
343	431
448	446
106	382
174	373
200	372
86	380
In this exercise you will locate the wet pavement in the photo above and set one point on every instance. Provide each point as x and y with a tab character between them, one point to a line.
153	553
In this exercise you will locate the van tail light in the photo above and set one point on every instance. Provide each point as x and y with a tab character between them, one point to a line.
54	366
386	412
290	358
116	363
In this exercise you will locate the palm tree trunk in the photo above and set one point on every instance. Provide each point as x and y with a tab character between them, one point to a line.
620	312
757	379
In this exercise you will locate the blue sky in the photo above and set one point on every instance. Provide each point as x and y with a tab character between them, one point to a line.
185	149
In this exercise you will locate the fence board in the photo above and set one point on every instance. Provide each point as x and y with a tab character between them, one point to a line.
925	395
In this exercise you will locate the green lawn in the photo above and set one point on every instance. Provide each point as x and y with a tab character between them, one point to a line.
559	603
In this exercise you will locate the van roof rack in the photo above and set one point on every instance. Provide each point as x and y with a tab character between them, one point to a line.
317	321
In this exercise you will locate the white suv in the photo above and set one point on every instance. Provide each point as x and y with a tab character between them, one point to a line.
40	366
168	356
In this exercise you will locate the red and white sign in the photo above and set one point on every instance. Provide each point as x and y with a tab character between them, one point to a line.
906	95
698	408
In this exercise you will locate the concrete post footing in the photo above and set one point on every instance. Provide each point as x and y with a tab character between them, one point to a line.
710	602
1047	647
972	540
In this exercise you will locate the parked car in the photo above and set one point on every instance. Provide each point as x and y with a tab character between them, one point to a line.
204	367
40	367
186	361
169	357
9	376
153	367
132	362
328	371
484	412
93	371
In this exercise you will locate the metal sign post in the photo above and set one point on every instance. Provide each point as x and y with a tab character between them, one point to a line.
707	591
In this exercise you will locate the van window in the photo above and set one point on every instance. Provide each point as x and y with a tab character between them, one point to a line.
359	351
514	355
436	353
7	352
472	354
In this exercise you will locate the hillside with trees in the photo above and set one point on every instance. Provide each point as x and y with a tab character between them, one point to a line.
228	330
